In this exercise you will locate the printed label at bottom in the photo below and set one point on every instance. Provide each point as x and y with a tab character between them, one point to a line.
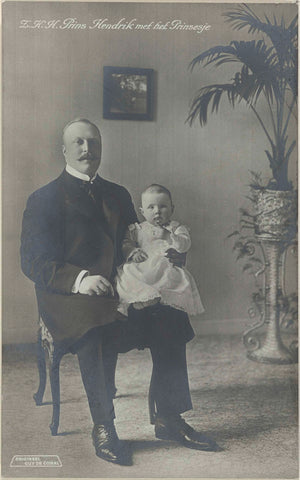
36	461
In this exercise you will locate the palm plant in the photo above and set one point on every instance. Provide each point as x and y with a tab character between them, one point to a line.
269	70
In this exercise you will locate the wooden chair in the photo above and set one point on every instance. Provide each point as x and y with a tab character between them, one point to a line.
55	352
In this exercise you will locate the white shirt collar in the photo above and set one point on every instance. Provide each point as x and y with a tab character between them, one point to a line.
80	175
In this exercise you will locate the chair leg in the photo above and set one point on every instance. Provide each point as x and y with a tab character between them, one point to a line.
41	363
151	401
54	363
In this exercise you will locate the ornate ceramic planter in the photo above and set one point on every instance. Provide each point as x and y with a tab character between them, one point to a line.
275	212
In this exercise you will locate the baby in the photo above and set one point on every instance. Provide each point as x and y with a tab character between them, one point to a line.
147	277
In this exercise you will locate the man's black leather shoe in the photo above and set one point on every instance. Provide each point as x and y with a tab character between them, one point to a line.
108	446
176	429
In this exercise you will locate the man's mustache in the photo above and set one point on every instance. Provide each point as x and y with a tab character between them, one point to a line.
88	156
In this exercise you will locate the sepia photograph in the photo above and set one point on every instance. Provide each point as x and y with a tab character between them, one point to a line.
149	232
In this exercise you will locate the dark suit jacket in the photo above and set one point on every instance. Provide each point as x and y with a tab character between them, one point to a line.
65	231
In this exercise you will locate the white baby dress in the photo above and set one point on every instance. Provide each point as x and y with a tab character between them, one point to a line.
156	276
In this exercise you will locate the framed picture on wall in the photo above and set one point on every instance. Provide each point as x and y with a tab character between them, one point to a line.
127	93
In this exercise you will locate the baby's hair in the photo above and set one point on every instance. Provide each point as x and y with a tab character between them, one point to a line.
156	188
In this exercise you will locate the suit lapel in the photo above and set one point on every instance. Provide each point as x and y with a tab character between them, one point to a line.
110	206
106	209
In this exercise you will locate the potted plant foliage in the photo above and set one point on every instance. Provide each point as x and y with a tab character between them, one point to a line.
267	73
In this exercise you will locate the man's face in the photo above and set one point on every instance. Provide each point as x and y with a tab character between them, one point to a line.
82	148
157	208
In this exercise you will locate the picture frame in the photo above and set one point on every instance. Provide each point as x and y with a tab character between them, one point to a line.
127	93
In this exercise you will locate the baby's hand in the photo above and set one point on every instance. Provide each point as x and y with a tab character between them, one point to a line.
139	256
172	228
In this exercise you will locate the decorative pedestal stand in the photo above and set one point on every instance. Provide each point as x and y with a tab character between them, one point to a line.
272	350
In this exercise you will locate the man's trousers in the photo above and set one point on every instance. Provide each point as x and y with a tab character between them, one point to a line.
162	329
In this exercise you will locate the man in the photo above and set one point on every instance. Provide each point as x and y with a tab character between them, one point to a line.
70	247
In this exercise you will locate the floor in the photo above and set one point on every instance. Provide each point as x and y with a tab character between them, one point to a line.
250	409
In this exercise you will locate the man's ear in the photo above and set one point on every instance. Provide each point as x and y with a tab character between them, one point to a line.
142	211
64	150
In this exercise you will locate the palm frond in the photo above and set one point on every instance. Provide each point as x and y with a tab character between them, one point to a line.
245	86
268	68
211	55
205	96
244	17
283	38
255	57
290	74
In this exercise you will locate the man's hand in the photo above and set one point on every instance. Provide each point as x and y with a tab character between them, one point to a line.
139	256
177	259
96	285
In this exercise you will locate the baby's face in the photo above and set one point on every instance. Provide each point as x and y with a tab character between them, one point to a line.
157	208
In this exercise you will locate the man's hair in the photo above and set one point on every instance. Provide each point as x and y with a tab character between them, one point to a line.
80	120
156	188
